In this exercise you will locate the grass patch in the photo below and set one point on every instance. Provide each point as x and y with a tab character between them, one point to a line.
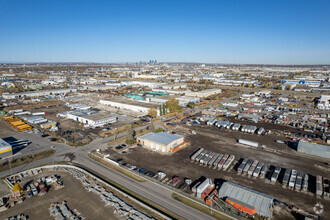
26	159
145	201
121	170
198	206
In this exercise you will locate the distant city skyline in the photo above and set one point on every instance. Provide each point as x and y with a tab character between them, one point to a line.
294	32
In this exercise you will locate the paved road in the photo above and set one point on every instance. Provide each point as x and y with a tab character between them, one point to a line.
149	190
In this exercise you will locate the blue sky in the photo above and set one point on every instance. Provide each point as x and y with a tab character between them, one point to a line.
247	31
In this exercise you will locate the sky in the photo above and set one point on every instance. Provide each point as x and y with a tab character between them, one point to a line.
238	32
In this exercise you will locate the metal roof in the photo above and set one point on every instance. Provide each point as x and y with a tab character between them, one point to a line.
4	144
314	149
162	138
260	201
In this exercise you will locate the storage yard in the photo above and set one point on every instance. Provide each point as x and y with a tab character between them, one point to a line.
265	172
66	195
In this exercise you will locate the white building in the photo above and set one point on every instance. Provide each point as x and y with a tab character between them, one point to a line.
90	118
324	102
204	93
127	105
37	93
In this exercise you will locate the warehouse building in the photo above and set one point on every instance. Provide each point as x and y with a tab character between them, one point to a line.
127	104
160	142
5	149
91	118
37	93
204	93
247	197
314	149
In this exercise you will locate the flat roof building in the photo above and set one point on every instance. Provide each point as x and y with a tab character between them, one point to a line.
204	93
37	93
160	142
91	118
127	104
5	149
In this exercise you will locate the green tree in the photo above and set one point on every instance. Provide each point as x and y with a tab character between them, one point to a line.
160	111
20	88
279	87
152	112
288	87
164	109
172	105
160	129
191	105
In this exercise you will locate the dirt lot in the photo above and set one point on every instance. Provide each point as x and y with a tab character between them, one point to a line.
222	141
87	203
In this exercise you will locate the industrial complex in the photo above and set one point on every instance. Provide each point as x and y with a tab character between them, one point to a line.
246	142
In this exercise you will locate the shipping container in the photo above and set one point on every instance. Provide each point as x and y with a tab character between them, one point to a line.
222	161
286	177
247	166
293	177
193	157
249	143
228	162
299	180
319	185
258	169
216	162
210	163
260	131
207	160
199	157
305	182
22	113
252	167
203	159
241	166
263	170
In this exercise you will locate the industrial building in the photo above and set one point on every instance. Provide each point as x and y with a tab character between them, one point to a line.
37	93
160	142
310	83
5	149
324	102
91	118
204	93
141	107
183	100
243	195
314	149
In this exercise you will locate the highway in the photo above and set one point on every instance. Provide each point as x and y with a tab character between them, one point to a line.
79	155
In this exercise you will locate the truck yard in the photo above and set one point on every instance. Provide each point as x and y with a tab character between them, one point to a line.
224	142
